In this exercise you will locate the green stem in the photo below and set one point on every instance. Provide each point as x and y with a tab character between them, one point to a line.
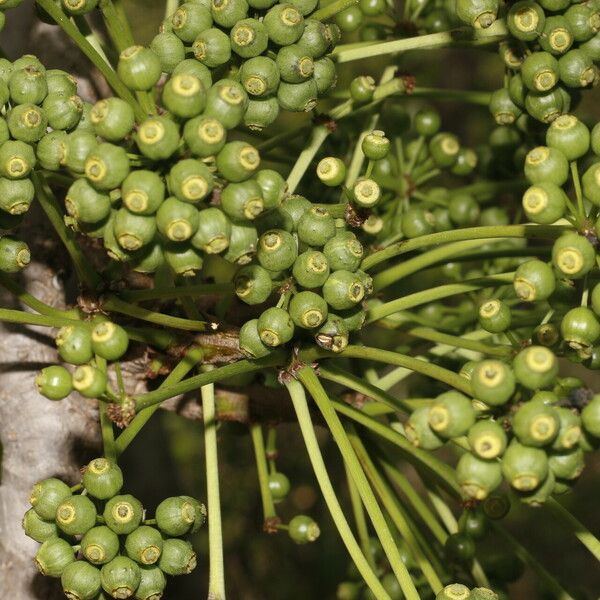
437	293
298	398
118	29
262	469
216	580
9	315
586	537
310	381
414	364
360	520
578	193
491	35
332	9
173	293
78	38
549	232
392	506
319	135
185	365
106	425
432	335
86	274
114	304
469	96
170	7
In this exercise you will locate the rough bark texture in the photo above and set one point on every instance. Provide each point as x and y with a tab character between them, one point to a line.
39	438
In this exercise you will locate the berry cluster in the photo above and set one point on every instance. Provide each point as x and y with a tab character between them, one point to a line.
551	55
38	108
458	591
99	542
83	345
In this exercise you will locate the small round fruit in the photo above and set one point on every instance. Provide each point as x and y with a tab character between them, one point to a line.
102	478
535	367
487	439
279	486
524	467
120	577
53	557
99	545
493	382
54	382
76	515
477	478
303	530
123	514
38	529
451	415
419	432
534	281
177	558
275	327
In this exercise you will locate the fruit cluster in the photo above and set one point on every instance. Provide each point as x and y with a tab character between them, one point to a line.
88	346
38	108
100	544
551	55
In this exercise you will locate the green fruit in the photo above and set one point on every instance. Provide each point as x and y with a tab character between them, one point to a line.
242	244
591	184
120	577
250	342
580	328
214	231
259	76
474	523
193	67
535	424
51	149
242	201
451	415
177	220
487	439
331	171
343	289
493	382
444	148
333	335
183	260
158	138
100	545
169	49
77	147
525	20
47	495
152	584
496	506
417	222
17	159
86	204
76	515
248	38
61	82
311	269
107	166
544	164
590	417
570	136
53	557
545	107
544	203
494	316
102	478
190	180
38	529
350	19
479	14
275	327
227	101
80	581
89	381
212	47
477	478
556	36
504	110
27	123
143	192
237	161
454	591
535	367
534	281
123	514
227	13
569	432
144	545
576	69
27	85
284	24
308	310
525	468
277	250
298	97
316	226
459	548
189	20
419	432
253	284
343	251
303	530
362	89
176	516
279	486
573	255
177	558
540	71
204	136
567	465
183	96
14	255
314	38
139	68
273	187
74	343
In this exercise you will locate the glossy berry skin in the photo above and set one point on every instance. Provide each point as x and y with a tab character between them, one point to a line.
109	340
177	558
120	577
524	467
38	529
253	284
204	136
444	148
157	138
544	164
237	161
375	145
303	530
139	68
279	486
534	281
53	557
573	255
535	367
143	192
74	343
525	19
275	327
176	516
123	514
250	342
81	580
459	548
112	118
591	184
580	328
451	415
544	203
477	478
540	71
308	310
102	478
590	417
487	439
47	495
493	382
343	289
362	89
212	47
169	49
567	466
152	584
419	433
576	69
54	382
496	506
417	222
144	545
427	122
100	545
474	523
184	96
535	424
89	381
311	269
494	316
76	515
569	135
